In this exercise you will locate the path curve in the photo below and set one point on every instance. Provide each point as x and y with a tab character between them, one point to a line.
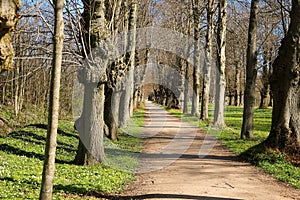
218	176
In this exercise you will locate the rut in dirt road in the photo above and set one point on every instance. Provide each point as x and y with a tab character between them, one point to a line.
172	169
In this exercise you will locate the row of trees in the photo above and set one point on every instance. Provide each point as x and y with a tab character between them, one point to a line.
252	62
242	69
28	83
110	96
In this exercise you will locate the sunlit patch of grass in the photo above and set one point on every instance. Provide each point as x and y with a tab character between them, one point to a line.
129	137
123	153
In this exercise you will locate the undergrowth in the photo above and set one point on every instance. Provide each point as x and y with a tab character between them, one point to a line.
21	163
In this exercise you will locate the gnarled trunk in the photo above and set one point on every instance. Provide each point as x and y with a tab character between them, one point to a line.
91	124
8	18
285	86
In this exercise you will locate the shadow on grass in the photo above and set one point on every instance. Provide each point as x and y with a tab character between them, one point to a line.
40	140
70	189
33	184
252	154
157	196
59	131
12	150
240	141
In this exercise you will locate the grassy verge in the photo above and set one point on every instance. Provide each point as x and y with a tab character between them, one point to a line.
272	162
123	154
21	162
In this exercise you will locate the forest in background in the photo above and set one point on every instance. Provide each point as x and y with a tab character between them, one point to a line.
28	83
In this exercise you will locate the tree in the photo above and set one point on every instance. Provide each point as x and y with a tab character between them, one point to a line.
112	87
251	73
235	51
49	162
285	129
237	84
196	69
264	90
91	124
127	96
207	69
9	17
221	64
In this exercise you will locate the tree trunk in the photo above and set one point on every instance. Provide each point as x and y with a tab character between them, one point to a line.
285	130
138	81
251	73
91	126
221	64
180	97
207	69
186	88
91	123
109	116
271	99
196	67
49	162
263	98
9	17
113	94
188	68
127	97
17	91
265	81
237	83
122	104
241	98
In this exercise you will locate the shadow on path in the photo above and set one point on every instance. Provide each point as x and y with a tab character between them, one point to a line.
159	196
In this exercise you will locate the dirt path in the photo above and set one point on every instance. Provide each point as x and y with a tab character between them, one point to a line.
216	176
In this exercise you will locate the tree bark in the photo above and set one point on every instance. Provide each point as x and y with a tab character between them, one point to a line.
265	81
9	17
237	82
186	88
188	68
109	116
221	64
49	162
126	108
271	99
285	129
207	69
196	67
91	124
251	73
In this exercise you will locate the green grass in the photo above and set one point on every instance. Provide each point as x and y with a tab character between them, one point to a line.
21	163
123	154
129	136
272	162
10	122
